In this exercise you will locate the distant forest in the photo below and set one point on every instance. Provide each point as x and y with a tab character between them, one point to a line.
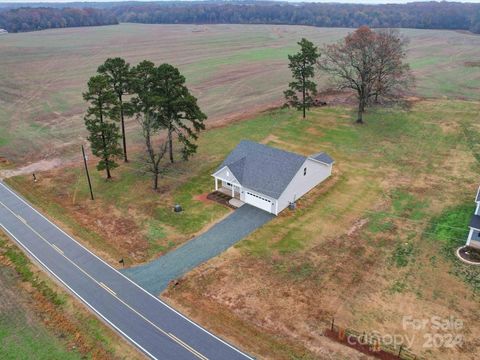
32	19
420	15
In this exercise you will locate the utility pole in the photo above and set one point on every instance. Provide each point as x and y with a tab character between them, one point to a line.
88	175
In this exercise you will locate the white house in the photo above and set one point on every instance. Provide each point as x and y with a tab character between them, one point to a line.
474	234
270	178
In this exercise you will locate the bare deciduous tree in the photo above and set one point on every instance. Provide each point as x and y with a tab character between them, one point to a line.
370	63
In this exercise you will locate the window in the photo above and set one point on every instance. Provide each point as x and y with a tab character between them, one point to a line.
304	171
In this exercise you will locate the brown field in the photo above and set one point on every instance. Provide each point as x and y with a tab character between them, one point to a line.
234	70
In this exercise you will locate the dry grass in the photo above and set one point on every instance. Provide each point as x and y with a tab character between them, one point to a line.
342	253
358	248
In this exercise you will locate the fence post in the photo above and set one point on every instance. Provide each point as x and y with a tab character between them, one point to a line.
333	322
400	351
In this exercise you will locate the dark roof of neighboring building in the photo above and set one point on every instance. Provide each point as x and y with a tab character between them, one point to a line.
475	222
263	168
323	157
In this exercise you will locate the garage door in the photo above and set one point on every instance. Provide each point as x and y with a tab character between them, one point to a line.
258	201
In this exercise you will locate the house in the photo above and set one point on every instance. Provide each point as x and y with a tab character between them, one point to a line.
474	234
3	31
269	178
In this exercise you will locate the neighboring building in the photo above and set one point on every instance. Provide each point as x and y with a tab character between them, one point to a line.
3	31
270	178
474	234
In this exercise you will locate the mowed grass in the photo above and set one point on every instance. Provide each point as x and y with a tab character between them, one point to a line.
19	341
232	69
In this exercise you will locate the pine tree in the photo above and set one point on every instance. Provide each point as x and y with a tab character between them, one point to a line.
178	110
302	65
100	121
118	73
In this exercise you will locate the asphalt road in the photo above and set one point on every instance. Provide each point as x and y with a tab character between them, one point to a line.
155	275
151	325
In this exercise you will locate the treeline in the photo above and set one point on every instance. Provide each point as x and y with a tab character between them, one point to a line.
420	15
32	19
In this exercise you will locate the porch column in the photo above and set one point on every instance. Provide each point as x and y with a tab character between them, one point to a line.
470	234
233	190
216	184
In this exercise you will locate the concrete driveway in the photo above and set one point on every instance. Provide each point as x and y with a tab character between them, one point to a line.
156	275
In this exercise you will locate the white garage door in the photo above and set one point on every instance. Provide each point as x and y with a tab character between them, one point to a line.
258	201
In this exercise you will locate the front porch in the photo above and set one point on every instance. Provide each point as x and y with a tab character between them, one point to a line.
227	188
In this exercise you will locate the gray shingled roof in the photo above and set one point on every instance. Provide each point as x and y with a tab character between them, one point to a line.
323	157
263	168
475	222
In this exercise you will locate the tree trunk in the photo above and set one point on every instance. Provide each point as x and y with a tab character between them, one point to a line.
124	139
155	181
104	143
361	109
303	94
107	168
170	145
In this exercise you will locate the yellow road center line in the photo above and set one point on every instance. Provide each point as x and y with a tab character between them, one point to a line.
57	248
188	347
22	219
107	288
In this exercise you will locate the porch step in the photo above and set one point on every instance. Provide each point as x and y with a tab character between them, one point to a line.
236	203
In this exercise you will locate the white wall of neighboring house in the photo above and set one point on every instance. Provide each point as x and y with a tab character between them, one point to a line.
474	235
301	184
473	238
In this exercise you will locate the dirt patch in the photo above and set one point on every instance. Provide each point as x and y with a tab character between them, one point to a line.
365	349
39	166
359	224
472	63
202	197
334	97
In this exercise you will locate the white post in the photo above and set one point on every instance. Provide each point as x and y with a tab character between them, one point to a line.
469	237
216	184
233	190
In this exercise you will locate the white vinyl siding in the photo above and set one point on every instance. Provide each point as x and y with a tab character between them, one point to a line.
310	174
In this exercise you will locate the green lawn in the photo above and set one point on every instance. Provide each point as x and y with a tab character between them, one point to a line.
20	341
